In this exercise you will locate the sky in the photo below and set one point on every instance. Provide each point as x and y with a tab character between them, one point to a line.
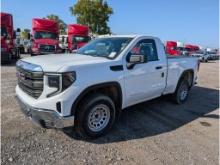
188	21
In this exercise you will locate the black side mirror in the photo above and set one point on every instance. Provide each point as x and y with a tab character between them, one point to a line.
67	40
18	30
136	59
29	36
14	34
63	39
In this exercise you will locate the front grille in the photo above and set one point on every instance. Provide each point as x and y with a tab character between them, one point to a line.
47	48
30	82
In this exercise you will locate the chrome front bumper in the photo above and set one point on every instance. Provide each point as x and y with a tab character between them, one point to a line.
44	117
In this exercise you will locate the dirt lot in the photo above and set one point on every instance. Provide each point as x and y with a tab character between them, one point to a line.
155	132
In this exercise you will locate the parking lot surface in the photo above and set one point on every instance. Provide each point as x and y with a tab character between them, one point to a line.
154	132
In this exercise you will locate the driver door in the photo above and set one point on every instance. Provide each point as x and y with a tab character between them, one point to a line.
146	80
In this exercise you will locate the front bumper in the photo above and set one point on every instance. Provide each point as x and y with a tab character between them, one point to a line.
44	117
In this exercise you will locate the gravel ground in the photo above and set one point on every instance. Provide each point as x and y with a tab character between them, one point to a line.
154	132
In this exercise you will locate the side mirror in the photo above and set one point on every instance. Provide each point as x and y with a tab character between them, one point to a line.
14	34
67	40
29	36
18	30
136	59
63	39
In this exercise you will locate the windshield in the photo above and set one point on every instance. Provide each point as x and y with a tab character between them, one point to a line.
105	47
211	52
3	32
200	52
81	39
181	48
45	35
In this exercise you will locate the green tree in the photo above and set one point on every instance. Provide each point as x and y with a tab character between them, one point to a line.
62	24
93	13
25	33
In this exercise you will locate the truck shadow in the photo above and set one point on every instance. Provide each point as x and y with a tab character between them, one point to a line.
159	116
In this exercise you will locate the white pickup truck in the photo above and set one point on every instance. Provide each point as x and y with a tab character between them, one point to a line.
89	89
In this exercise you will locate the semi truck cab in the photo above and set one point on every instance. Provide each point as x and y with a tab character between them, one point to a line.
78	36
45	38
171	48
8	49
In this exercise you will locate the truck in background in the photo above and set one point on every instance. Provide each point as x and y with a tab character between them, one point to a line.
191	48
78	36
171	48
213	53
181	48
63	43
8	48
45	37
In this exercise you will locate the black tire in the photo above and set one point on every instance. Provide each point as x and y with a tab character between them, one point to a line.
182	92
86	110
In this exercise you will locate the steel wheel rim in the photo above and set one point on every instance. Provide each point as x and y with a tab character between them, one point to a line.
98	118
183	92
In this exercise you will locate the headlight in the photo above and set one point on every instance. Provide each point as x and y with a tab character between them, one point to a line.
59	82
68	79
54	81
54	84
34	49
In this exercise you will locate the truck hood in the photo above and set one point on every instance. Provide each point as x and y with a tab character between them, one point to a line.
57	62
46	41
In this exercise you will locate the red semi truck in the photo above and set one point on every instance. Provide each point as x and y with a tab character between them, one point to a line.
191	48
171	48
45	37
8	49
78	36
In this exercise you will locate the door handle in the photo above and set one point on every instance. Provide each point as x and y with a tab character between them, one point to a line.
158	67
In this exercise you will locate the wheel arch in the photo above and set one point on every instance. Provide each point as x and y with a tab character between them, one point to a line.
115	94
188	75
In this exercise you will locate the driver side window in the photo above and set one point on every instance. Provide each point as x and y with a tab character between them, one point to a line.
146	47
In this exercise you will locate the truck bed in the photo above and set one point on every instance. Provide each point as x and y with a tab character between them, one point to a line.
176	65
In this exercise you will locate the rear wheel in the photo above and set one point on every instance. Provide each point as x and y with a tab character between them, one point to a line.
181	94
95	116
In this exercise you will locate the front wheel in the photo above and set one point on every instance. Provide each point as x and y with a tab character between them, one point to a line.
182	92
95	116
